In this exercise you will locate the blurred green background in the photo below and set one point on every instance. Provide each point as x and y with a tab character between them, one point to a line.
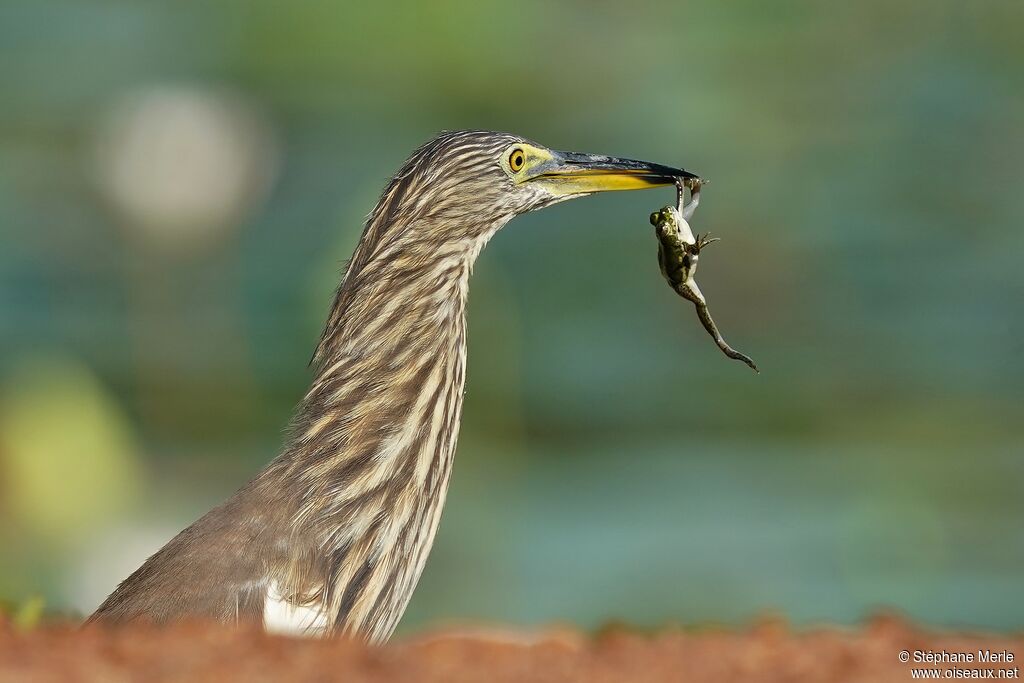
181	183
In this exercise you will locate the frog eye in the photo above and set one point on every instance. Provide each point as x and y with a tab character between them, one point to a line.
516	160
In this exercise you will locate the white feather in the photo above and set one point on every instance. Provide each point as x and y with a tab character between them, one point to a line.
280	615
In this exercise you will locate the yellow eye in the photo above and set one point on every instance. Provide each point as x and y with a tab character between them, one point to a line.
516	160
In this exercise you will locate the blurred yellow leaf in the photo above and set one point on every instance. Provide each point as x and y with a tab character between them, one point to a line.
67	452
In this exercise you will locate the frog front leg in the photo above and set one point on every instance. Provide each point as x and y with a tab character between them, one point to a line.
689	208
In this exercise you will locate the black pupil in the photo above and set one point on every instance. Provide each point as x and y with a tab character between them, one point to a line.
517	159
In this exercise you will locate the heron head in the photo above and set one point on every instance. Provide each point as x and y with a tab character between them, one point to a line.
536	176
480	179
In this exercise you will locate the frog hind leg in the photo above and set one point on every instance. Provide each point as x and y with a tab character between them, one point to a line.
694	295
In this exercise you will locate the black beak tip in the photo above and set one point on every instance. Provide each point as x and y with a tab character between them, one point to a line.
677	175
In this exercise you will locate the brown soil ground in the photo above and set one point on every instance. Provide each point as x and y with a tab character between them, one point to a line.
769	651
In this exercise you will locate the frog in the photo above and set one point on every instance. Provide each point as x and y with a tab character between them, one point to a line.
678	253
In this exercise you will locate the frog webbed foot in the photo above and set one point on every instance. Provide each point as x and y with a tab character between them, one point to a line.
705	239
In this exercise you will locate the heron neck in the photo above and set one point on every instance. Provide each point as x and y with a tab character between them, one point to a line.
374	438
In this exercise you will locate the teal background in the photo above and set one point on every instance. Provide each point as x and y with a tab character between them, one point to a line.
865	161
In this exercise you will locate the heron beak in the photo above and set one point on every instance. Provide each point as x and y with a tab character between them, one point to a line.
572	173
